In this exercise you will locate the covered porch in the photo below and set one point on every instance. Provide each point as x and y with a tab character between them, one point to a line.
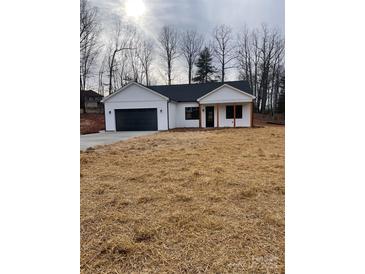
226	106
231	114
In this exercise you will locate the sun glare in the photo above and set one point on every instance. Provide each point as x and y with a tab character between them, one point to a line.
135	8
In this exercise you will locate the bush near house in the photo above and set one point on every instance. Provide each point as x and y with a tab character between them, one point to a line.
91	122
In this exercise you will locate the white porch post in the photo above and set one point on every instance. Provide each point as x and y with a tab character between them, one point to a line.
251	122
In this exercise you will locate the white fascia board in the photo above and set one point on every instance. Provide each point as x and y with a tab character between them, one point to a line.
212	102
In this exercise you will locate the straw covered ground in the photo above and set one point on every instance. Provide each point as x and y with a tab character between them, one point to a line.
185	202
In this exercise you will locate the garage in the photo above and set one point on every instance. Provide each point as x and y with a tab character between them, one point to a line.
143	119
135	107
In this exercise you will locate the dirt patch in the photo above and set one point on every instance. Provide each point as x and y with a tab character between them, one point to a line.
190	201
91	123
260	119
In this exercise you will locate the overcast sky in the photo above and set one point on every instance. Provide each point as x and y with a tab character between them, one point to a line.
202	15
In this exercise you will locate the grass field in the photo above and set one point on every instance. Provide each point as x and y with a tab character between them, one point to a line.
185	202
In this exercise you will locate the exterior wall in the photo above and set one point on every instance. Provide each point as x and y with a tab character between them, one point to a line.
133	97
172	115
223	122
226	95
180	115
243	122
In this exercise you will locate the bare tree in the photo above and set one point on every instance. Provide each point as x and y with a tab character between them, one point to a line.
145	56
136	67
268	41
256	64
260	57
244	56
191	44
277	73
169	44
248	57
122	40
101	72
122	73
89	34
223	48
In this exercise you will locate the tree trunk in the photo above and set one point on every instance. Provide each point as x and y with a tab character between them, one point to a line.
190	73
111	72
169	73
81	85
223	69
147	81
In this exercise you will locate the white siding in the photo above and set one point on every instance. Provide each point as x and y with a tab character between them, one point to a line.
133	97
180	115
225	95
172	115
244	122
223	122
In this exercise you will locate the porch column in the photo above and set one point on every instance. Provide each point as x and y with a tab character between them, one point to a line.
217	115
234	115
200	116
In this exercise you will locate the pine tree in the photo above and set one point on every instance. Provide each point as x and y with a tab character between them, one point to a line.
205	70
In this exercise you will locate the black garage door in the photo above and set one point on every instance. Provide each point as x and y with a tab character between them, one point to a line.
136	119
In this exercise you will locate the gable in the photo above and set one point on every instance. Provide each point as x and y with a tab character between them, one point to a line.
226	94
134	92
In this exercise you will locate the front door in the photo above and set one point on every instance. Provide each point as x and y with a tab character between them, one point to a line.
209	116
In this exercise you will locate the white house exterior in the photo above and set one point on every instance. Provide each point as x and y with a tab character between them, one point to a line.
137	107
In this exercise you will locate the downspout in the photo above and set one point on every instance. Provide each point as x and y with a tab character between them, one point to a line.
252	113
104	117
168	116
200	114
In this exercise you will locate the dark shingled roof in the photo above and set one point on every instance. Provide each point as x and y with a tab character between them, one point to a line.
190	93
89	93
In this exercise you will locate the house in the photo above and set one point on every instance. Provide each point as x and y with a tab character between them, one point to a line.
90	102
207	105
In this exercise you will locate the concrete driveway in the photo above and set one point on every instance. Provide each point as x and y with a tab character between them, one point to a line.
106	138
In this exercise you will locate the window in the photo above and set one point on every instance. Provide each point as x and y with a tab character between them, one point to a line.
239	112
191	113
229	112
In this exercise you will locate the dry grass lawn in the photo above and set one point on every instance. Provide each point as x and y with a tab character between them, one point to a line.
185	202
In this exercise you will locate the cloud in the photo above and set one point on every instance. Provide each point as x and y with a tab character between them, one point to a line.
203	15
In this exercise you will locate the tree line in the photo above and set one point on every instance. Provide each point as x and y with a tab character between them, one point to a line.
256	55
